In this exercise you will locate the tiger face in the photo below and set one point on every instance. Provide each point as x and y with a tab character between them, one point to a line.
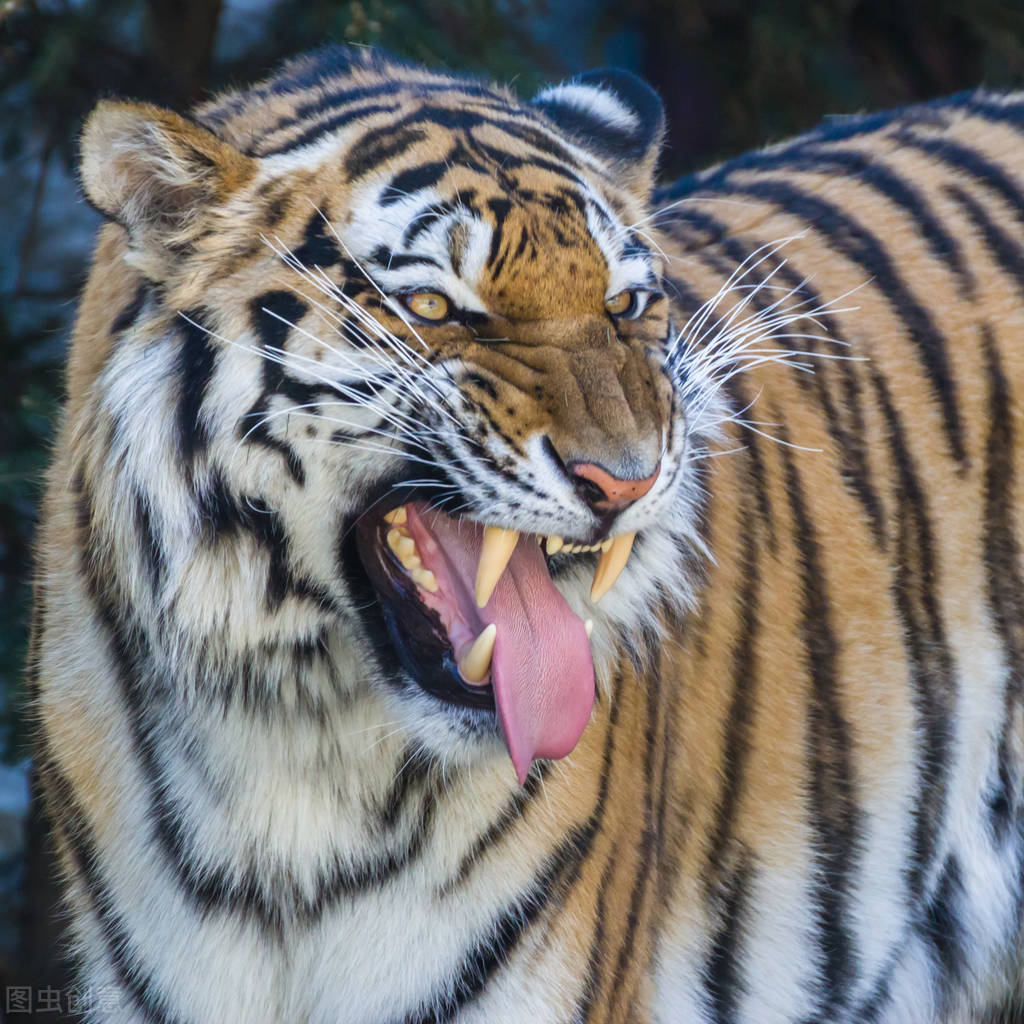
414	346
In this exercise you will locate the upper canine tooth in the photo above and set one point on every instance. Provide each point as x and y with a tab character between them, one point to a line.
555	544
612	562
477	660
497	549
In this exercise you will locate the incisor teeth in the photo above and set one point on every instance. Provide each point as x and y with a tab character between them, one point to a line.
477	661
588	625
612	562
497	549
426	579
555	544
397	516
606	544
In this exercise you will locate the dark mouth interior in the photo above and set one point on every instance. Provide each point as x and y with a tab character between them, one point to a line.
414	631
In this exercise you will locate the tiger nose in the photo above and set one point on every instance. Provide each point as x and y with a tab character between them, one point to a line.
604	492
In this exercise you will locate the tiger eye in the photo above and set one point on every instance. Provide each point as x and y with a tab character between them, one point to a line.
620	304
428	305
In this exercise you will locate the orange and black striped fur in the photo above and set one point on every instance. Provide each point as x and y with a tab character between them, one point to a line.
799	797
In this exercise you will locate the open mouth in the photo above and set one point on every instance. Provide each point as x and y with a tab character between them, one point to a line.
475	619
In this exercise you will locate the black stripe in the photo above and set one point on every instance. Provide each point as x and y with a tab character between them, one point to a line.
426	218
412	180
871	1009
1006	251
833	811
597	955
318	249
152	550
1010	114
196	363
739	717
265	148
852	239
1004	584
273	314
376	148
722	979
389	260
942	927
127	317
913	590
645	844
413	770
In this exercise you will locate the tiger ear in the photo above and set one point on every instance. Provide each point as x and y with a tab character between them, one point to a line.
156	173
614	115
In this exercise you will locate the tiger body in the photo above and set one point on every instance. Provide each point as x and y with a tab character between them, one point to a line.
798	797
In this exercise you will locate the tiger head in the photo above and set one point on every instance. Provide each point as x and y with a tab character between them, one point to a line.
395	385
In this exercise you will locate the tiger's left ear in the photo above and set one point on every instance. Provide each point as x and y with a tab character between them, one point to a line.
615	116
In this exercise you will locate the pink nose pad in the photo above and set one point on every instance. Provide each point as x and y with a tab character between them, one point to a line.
607	493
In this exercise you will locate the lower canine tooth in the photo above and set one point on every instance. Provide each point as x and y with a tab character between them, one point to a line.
588	625
477	661
397	516
497	549
610	567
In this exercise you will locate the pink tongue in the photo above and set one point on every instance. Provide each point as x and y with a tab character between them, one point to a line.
542	671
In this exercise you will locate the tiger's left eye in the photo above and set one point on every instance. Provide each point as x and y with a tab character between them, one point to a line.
427	305
623	304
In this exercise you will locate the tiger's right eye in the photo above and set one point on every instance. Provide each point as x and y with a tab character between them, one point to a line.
431	306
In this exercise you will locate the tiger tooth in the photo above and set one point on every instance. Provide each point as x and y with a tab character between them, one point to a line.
612	562
426	579
397	516
412	562
588	625
477	661
497	549
606	544
394	538
405	548
555	544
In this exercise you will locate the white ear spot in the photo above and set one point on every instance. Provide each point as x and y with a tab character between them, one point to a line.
599	104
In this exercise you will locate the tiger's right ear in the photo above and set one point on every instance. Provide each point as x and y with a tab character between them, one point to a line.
156	173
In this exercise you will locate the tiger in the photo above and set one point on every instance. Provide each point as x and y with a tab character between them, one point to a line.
477	582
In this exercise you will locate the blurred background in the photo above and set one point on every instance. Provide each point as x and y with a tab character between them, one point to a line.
733	73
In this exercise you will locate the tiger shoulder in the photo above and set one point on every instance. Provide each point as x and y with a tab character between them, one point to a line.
478	583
